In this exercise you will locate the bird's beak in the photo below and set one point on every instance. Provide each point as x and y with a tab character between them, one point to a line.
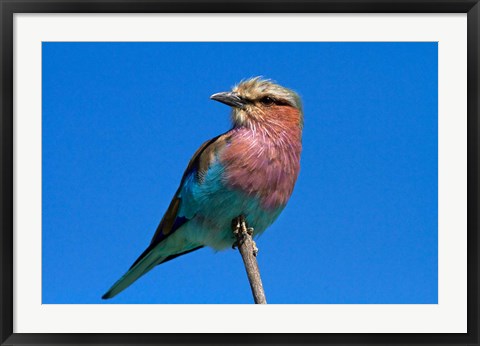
229	98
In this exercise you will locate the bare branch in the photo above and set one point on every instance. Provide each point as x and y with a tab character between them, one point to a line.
248	250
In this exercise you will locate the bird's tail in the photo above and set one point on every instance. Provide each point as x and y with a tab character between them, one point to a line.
149	260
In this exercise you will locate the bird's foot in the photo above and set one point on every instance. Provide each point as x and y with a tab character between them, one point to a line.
237	226
240	231
255	248
250	233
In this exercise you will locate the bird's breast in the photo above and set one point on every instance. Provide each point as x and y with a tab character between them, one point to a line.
262	165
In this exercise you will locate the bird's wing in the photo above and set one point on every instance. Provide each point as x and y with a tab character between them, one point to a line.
198	165
172	220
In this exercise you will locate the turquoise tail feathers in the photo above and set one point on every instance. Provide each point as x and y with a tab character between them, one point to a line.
147	263
144	263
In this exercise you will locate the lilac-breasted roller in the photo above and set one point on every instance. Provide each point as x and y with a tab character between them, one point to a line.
249	170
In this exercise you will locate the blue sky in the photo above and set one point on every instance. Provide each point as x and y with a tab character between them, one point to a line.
121	121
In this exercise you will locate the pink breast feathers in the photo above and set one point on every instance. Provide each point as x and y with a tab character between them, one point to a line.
263	164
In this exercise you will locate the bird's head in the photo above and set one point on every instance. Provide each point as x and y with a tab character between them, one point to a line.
258	101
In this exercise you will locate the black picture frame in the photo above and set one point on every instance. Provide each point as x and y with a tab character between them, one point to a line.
9	7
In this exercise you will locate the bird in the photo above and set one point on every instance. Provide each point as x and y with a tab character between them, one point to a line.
248	171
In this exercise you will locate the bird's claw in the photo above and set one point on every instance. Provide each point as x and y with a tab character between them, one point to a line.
255	248
238	226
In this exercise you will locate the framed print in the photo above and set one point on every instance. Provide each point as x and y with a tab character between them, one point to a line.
347	131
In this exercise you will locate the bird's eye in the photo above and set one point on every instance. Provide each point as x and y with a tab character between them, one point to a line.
267	101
